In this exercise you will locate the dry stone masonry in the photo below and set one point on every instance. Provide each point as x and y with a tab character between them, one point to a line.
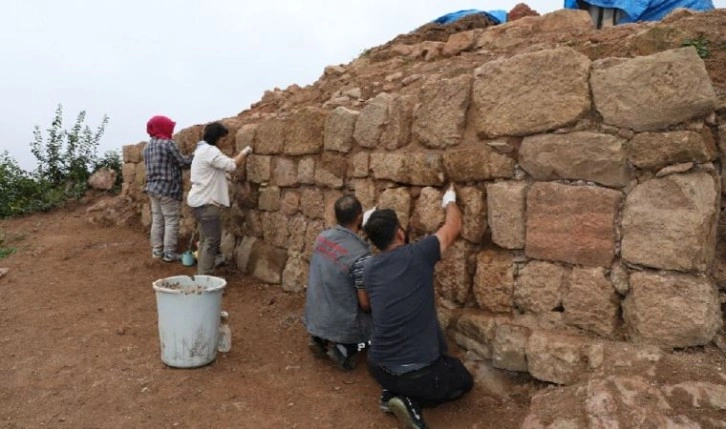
591	193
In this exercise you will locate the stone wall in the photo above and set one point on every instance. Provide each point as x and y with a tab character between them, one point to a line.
591	193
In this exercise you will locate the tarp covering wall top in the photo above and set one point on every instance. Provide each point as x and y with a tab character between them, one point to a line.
644	10
498	16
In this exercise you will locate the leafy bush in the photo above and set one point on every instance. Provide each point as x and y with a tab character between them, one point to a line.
66	159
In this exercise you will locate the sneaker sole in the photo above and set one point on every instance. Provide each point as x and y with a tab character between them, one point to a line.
399	409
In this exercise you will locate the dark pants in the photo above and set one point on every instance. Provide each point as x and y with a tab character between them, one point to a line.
210	236
444	380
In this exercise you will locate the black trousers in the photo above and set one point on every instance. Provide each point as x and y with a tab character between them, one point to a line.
444	380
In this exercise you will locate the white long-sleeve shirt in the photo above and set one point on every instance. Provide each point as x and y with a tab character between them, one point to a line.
209	176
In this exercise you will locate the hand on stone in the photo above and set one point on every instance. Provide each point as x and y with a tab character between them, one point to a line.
247	151
449	196
367	215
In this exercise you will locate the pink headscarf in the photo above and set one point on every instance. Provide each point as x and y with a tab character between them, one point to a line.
160	127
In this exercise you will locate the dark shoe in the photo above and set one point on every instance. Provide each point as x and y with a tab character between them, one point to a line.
408	413
318	347
340	355
171	257
386	396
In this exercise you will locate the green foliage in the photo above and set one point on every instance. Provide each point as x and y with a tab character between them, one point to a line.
701	45
66	159
5	250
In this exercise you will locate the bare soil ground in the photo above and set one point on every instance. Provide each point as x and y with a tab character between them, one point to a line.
79	347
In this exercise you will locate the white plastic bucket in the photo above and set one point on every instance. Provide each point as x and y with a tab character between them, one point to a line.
189	308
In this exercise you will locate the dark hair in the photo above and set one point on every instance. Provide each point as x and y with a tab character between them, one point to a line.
381	228
347	209
213	132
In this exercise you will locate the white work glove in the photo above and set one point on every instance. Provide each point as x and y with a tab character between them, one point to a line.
367	215
449	197
247	151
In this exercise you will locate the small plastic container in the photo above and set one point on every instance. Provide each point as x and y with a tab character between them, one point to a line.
224	344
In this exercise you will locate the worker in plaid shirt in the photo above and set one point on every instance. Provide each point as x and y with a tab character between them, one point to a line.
164	162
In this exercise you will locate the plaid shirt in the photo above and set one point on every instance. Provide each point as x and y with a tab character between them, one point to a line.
163	163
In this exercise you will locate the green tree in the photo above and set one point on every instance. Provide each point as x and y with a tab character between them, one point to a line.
67	158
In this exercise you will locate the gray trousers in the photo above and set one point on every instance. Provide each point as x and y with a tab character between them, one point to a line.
165	213
210	236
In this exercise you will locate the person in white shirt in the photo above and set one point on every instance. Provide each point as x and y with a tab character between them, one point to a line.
209	191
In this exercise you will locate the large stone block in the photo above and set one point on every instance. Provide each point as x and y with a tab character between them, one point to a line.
673	310
285	172
564	23
452	278
410	168
330	171
530	93
480	326
243	252
259	168
245	137
253	224
290	202
427	213
266	262
365	191
398	128
506	213
472	202
585	155
312	203
270	137
670	223
304	131
269	199
509	347
441	116
656	150
274	228
339	130
296	228
306	171
651	92
295	274
591	302
574	224
557	358
133	153
358	165
494	281
128	172
539	287
398	199
372	120
330	196
314	227
475	163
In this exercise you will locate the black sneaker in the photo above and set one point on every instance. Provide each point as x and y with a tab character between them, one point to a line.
408	413
342	357
318	347
386	395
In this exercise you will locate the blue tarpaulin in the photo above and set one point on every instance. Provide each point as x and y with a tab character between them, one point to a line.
644	10
498	16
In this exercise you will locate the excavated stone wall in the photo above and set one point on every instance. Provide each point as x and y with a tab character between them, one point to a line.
591	194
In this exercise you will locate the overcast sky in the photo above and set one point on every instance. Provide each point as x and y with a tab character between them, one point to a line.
194	61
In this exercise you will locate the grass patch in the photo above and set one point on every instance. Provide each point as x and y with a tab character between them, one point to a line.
701	45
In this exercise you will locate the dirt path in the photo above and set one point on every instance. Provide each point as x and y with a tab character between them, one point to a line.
79	347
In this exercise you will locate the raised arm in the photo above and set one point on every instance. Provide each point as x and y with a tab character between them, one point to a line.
451	228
